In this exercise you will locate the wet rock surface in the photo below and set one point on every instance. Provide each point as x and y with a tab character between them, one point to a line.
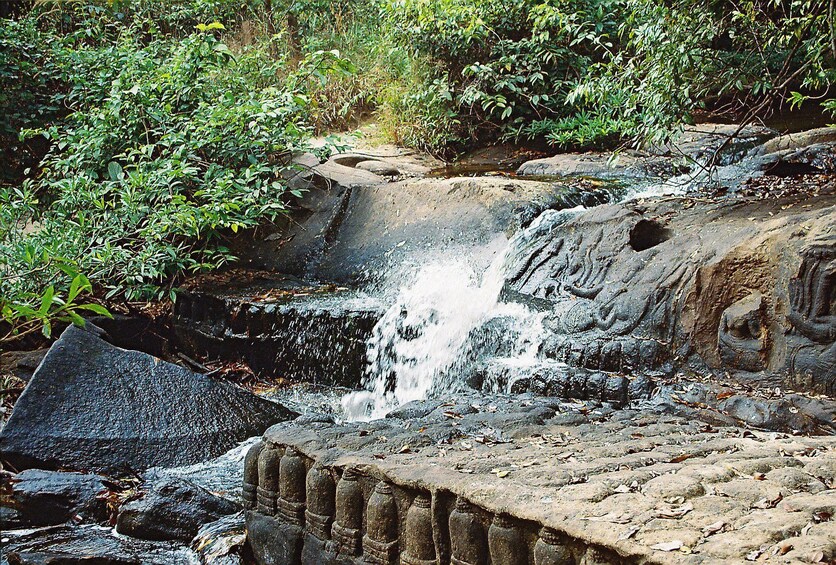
91	405
45	498
93	545
740	285
721	143
351	234
278	325
172	509
222	542
527	479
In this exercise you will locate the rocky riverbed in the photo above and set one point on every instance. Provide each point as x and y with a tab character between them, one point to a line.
584	358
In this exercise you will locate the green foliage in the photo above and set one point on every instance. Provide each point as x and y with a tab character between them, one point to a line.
505	64
172	145
586	73
41	312
739	58
138	135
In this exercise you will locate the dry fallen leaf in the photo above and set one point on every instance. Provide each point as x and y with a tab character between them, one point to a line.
668	546
405	449
782	549
712	529
754	554
766	503
675	512
629	532
612	517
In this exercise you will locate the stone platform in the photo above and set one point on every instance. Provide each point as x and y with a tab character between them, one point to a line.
527	479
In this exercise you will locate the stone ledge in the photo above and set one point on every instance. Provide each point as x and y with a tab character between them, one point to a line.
525	479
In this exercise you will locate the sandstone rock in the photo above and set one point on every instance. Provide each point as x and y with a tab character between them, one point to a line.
172	509
378	167
50	497
258	318
650	285
349	234
607	487
91	405
695	144
799	140
221	542
598	165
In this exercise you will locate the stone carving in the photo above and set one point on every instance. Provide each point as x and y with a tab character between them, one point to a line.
813	293
380	544
743	336
290	505
348	523
812	314
468	542
654	286
419	547
249	491
268	480
506	542
550	550
320	497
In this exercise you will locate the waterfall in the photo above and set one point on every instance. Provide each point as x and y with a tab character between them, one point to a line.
437	329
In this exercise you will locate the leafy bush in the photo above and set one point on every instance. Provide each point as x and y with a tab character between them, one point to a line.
170	149
506	64
586	73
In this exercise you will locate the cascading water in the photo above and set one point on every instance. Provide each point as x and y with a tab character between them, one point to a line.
427	342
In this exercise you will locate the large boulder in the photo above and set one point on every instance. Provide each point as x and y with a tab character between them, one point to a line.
91	405
174	509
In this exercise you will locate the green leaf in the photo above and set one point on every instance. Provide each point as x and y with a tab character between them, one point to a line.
76	319
46	301
114	170
101	310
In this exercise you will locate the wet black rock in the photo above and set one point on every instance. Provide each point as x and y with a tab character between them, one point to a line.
11	518
93	406
174	509
21	364
88	545
222	542
46	498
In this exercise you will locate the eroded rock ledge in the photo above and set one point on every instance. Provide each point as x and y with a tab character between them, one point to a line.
526	479
736	286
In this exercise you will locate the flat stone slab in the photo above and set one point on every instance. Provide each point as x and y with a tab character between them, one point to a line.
523	479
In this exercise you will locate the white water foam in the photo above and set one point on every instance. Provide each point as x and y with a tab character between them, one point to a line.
423	342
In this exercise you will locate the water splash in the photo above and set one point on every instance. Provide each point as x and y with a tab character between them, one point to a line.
439	327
